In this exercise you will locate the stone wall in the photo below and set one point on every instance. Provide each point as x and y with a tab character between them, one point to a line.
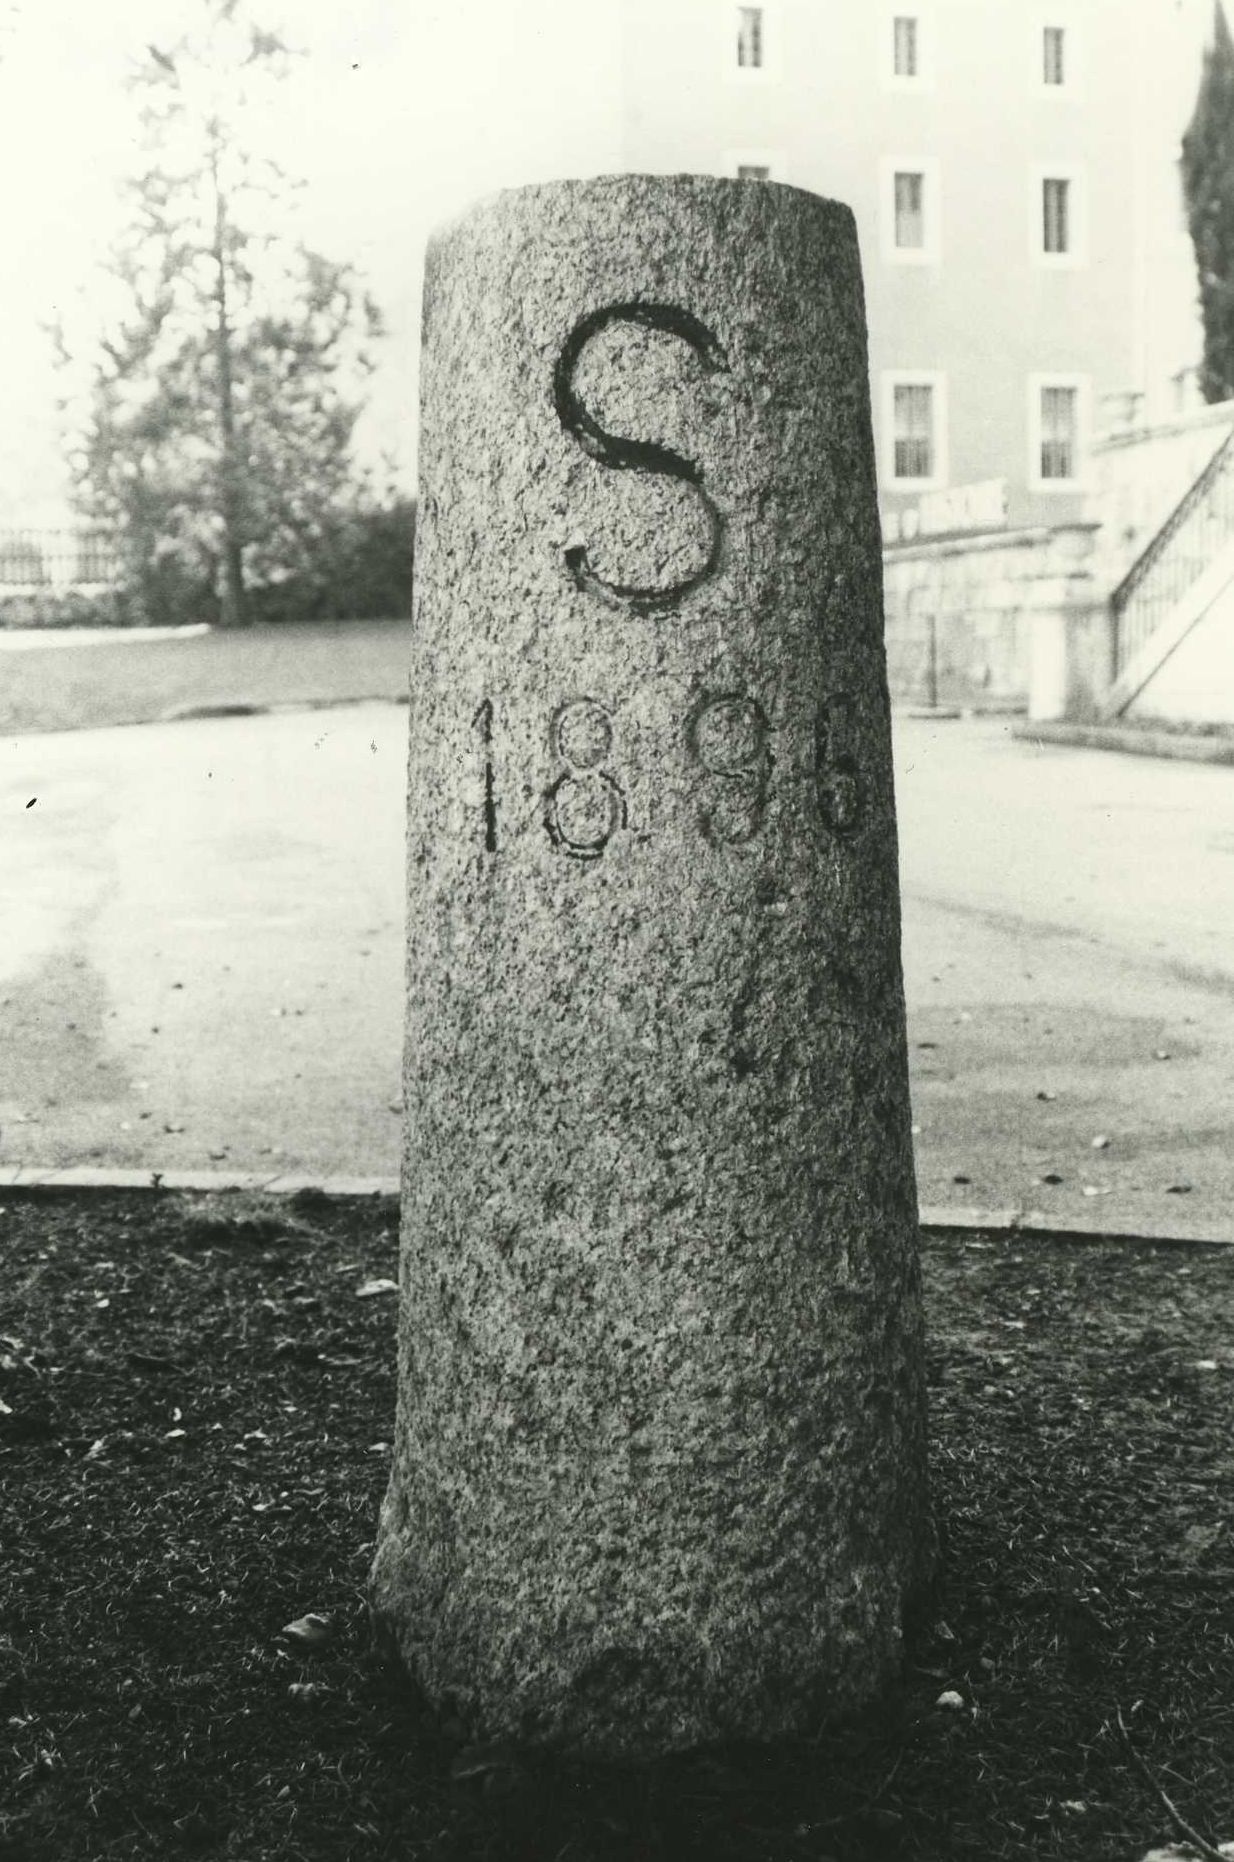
961	612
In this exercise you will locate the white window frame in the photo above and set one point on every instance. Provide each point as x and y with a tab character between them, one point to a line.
1082	386
769	70
771	159
914	378
1077	216
929	252
923	12
1073	54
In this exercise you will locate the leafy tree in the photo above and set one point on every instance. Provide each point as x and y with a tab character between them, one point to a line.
214	425
1208	186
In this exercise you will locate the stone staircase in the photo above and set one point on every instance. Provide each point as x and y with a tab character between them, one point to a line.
1173	584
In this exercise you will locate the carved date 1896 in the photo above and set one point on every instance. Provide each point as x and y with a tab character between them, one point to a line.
728	738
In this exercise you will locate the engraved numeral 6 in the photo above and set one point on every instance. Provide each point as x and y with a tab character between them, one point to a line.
841	792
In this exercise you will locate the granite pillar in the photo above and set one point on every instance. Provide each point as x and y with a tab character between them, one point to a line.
659	1469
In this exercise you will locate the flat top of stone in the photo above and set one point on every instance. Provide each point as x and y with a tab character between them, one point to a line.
641	186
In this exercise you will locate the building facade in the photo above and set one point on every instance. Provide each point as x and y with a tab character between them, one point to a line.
1012	165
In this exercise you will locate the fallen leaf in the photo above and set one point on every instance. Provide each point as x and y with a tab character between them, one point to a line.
475	1761
153	1361
309	1632
1183	1852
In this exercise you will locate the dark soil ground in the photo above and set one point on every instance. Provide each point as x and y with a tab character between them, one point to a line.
76	685
196	1397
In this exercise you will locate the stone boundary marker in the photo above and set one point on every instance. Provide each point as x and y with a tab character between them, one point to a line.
659	1468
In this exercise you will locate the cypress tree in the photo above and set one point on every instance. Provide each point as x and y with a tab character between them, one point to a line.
1208	187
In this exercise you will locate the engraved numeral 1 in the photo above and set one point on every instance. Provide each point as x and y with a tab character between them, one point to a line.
483	719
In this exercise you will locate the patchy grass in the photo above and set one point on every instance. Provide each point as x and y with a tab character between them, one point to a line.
137	681
197	1406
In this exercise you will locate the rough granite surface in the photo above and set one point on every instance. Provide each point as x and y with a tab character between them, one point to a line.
659	1470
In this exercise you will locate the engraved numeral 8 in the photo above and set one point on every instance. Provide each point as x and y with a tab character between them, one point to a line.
586	805
728	738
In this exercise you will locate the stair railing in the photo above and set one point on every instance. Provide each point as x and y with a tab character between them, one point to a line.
1200	523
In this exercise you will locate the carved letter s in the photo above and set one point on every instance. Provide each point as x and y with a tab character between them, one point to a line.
626	455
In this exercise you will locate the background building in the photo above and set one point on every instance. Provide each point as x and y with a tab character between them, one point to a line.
1012	165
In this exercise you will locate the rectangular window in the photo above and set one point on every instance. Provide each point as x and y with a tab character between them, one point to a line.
1053	65
909	211
904	28
1055	214
753	171
912	409
750	38
1059	432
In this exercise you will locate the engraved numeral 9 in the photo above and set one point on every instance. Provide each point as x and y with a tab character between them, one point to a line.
727	737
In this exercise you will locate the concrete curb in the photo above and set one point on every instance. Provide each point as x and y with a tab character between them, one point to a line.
936	1218
1188	748
1035	1223
275	1183
241	708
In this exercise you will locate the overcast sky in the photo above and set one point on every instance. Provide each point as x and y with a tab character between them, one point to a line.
401	112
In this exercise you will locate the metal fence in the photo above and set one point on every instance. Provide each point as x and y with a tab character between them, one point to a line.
1198	527
40	562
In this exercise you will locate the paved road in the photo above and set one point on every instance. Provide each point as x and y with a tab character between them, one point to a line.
1069	931
201	956
201	962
